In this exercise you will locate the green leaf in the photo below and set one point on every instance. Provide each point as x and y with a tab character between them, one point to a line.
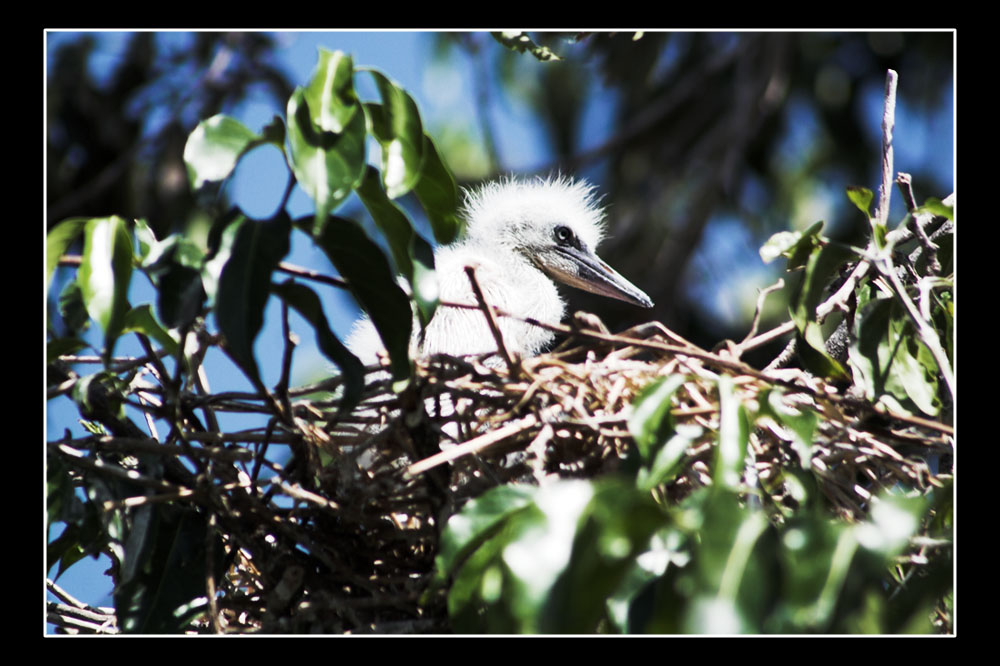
164	568
175	266
105	274
733	575
779	244
615	527
796	246
396	126
330	92
823	262
650	423
244	283
521	42
413	256
372	282
140	319
57	242
326	135
801	423
306	303
60	346
503	584
936	207
862	198
478	520
734	434
72	308
888	358
438	194
214	147
669	459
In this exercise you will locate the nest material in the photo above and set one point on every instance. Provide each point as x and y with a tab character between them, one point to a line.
343	538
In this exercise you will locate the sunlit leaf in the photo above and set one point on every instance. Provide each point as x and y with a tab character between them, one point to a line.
650	423
734	432
605	550
105	274
862	198
801	423
400	133
326	135
330	95
140	319
478	520
214	147
936	207
57	242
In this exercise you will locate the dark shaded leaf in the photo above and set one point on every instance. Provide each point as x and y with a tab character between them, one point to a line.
307	304
438	194
244	283
175	265
822	264
413	256
372	282
164	568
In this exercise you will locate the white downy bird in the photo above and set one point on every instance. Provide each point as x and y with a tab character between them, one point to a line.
520	236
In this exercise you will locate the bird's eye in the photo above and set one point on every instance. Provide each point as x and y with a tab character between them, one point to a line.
564	235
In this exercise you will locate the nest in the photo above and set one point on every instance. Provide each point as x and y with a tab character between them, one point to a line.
343	537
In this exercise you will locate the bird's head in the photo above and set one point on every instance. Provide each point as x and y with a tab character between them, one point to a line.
556	224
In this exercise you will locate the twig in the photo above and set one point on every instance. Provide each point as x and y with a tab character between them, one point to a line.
927	332
888	125
905	183
474	445
491	321
309	274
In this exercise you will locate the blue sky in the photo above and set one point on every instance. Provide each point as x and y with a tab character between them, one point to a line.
443	94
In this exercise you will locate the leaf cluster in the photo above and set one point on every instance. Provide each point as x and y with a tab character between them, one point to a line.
228	277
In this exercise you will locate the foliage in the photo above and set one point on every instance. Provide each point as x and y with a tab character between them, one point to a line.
722	509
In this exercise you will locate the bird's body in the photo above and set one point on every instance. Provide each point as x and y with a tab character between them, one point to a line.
520	235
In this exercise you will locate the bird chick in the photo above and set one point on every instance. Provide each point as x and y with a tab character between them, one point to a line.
520	236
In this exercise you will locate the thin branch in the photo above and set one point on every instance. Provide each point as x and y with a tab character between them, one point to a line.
888	126
491	321
905	183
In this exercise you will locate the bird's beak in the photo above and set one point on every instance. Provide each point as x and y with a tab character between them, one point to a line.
581	268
